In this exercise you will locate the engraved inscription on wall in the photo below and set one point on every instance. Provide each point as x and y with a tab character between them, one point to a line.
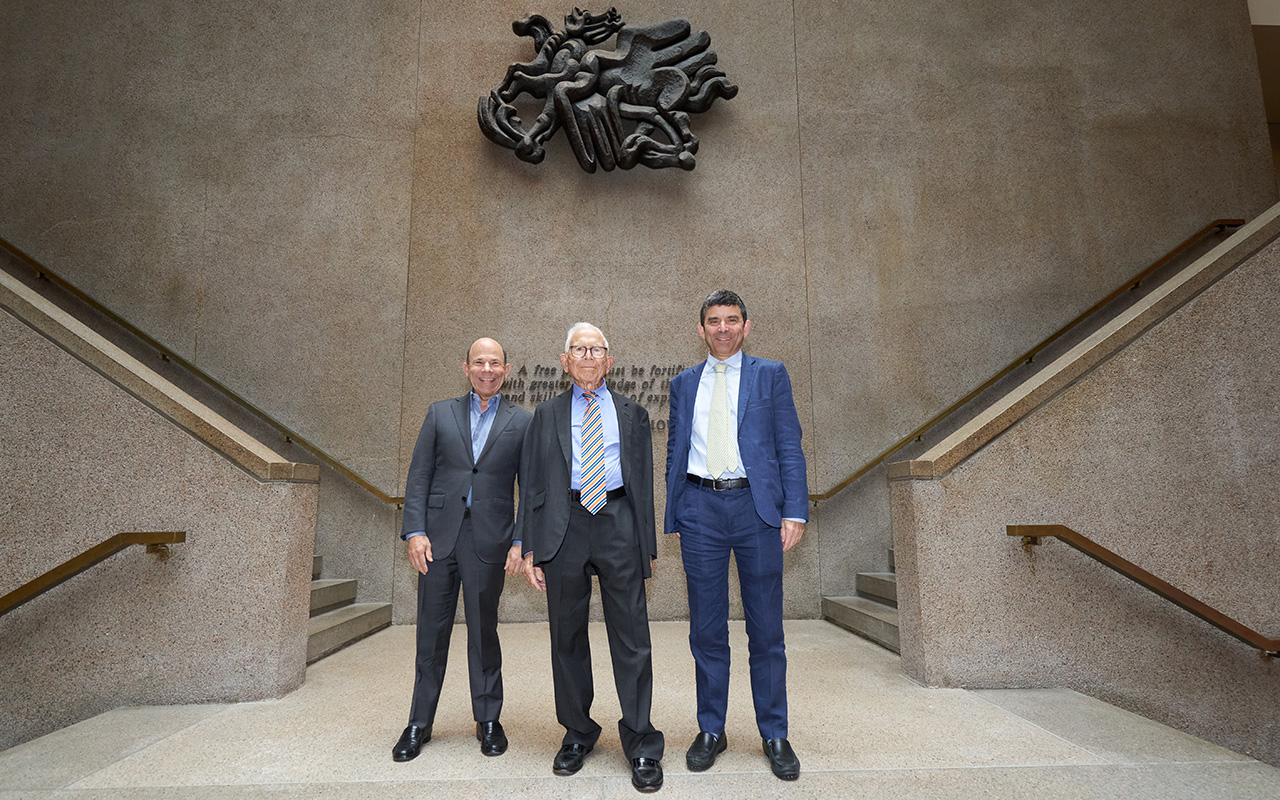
650	386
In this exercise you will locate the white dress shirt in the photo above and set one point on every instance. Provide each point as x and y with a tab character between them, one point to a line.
702	415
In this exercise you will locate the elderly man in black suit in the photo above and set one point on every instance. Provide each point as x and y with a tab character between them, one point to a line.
586	499
458	524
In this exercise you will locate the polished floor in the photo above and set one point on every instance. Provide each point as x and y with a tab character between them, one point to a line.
860	727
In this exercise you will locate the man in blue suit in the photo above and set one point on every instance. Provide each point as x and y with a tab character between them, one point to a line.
735	482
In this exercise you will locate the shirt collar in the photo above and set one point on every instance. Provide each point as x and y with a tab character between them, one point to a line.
734	361
578	393
493	402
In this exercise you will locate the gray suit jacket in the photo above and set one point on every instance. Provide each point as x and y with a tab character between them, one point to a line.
545	476
442	471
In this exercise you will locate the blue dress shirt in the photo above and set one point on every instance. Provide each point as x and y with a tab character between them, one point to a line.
612	446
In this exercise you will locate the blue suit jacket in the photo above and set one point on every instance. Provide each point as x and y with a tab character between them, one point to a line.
768	441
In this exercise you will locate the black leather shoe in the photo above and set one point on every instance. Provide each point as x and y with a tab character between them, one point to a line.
646	774
782	759
569	759
411	742
702	753
493	740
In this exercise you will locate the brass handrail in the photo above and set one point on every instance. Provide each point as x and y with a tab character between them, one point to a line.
1032	534
155	542
1027	357
166	353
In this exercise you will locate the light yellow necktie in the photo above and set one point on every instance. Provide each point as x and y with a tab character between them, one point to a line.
722	456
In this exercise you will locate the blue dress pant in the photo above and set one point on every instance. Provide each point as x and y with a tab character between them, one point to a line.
712	525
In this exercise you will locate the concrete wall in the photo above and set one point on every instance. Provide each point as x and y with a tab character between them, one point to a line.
223	618
295	197
1166	454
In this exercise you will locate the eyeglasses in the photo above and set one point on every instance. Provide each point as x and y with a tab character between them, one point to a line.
580	351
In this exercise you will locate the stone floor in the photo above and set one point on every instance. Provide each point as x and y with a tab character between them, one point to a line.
861	729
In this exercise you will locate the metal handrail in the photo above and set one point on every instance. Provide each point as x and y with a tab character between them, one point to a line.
1032	534
289	434
156	542
1027	357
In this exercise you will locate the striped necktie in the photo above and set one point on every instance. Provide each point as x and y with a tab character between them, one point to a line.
593	492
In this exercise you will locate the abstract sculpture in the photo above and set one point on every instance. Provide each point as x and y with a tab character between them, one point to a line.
619	107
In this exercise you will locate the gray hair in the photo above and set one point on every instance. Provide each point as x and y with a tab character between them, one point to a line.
578	326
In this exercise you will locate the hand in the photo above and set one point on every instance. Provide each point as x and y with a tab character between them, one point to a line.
791	533
534	574
420	553
515	562
677	533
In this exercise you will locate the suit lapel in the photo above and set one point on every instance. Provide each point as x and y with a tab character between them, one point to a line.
623	409
563	408
462	413
503	418
744	385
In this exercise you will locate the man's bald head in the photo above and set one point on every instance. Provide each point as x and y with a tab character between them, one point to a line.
486	368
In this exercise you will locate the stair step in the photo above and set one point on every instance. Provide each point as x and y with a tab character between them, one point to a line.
336	629
881	586
867	618
317	566
328	594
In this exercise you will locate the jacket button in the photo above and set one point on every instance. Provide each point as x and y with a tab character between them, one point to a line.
474	470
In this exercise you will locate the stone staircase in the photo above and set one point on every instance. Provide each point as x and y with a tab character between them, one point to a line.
873	612
337	619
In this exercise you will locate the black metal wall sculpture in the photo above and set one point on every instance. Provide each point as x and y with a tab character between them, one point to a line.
620	107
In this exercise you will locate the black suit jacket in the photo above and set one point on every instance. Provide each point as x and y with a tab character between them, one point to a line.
443	470
544	476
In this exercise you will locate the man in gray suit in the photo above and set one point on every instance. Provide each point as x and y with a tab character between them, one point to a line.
458	524
586	503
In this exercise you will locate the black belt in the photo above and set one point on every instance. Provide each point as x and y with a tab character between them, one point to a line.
718	484
612	494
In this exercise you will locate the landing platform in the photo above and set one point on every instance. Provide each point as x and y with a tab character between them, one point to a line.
860	728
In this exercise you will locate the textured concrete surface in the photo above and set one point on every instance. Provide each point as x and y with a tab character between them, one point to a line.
1096	348
886	737
149	387
234	178
976	177
357	534
1166	454
223	618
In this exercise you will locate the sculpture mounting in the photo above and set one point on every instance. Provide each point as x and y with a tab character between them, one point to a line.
620	107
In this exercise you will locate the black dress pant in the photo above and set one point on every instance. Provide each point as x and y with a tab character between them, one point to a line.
437	603
603	544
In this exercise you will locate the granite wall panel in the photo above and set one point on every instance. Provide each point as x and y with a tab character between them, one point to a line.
1165	454
223	618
